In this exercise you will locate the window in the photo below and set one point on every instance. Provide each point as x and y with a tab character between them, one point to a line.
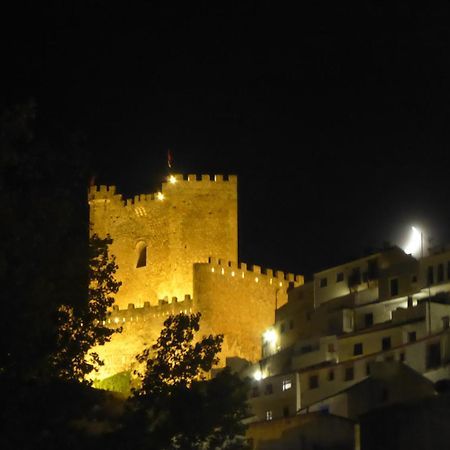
313	381
412	336
286	411
402	357
358	349
268	389
323	282
394	287
445	322
368	319
368	368
286	384
430	275
434	355
339	277
349	374
414	279
448	270
331	375
386	343
440	273
269	415
282	328
255	391
142	254
306	349
331	348
365	277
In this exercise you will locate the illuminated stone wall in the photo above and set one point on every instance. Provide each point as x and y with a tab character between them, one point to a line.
185	229
140	328
197	218
239	302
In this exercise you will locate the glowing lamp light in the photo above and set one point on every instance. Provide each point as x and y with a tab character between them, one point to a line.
270	336
160	196
257	375
172	179
415	242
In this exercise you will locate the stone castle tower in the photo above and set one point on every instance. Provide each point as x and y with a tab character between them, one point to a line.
177	250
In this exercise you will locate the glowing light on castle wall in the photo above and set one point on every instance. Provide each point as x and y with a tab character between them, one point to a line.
257	375
270	336
414	245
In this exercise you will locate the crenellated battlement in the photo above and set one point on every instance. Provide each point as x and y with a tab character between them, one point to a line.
242	270
105	195
164	308
176	178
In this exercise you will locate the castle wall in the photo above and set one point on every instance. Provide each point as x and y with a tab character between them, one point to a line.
141	327
191	219
182	228
239	302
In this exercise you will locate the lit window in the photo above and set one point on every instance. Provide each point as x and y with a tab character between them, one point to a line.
116	320
172	179
287	384
223	270
281	284
232	274
269	415
212	269
160	196
256	279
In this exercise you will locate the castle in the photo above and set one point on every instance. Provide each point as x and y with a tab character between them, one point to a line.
177	251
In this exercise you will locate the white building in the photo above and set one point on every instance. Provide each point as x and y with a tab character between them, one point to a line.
328	337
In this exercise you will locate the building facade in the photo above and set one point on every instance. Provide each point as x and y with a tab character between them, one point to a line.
371	332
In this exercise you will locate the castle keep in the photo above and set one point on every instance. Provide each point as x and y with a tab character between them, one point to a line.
177	251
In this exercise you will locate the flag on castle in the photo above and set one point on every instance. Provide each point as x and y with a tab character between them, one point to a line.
169	158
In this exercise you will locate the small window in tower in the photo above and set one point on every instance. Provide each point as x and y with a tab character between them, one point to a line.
142	255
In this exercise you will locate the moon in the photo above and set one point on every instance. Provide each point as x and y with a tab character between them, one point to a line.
414	244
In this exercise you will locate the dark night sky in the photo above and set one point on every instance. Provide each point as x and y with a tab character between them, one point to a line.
335	119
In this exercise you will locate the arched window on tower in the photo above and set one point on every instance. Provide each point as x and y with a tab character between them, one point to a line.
141	248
